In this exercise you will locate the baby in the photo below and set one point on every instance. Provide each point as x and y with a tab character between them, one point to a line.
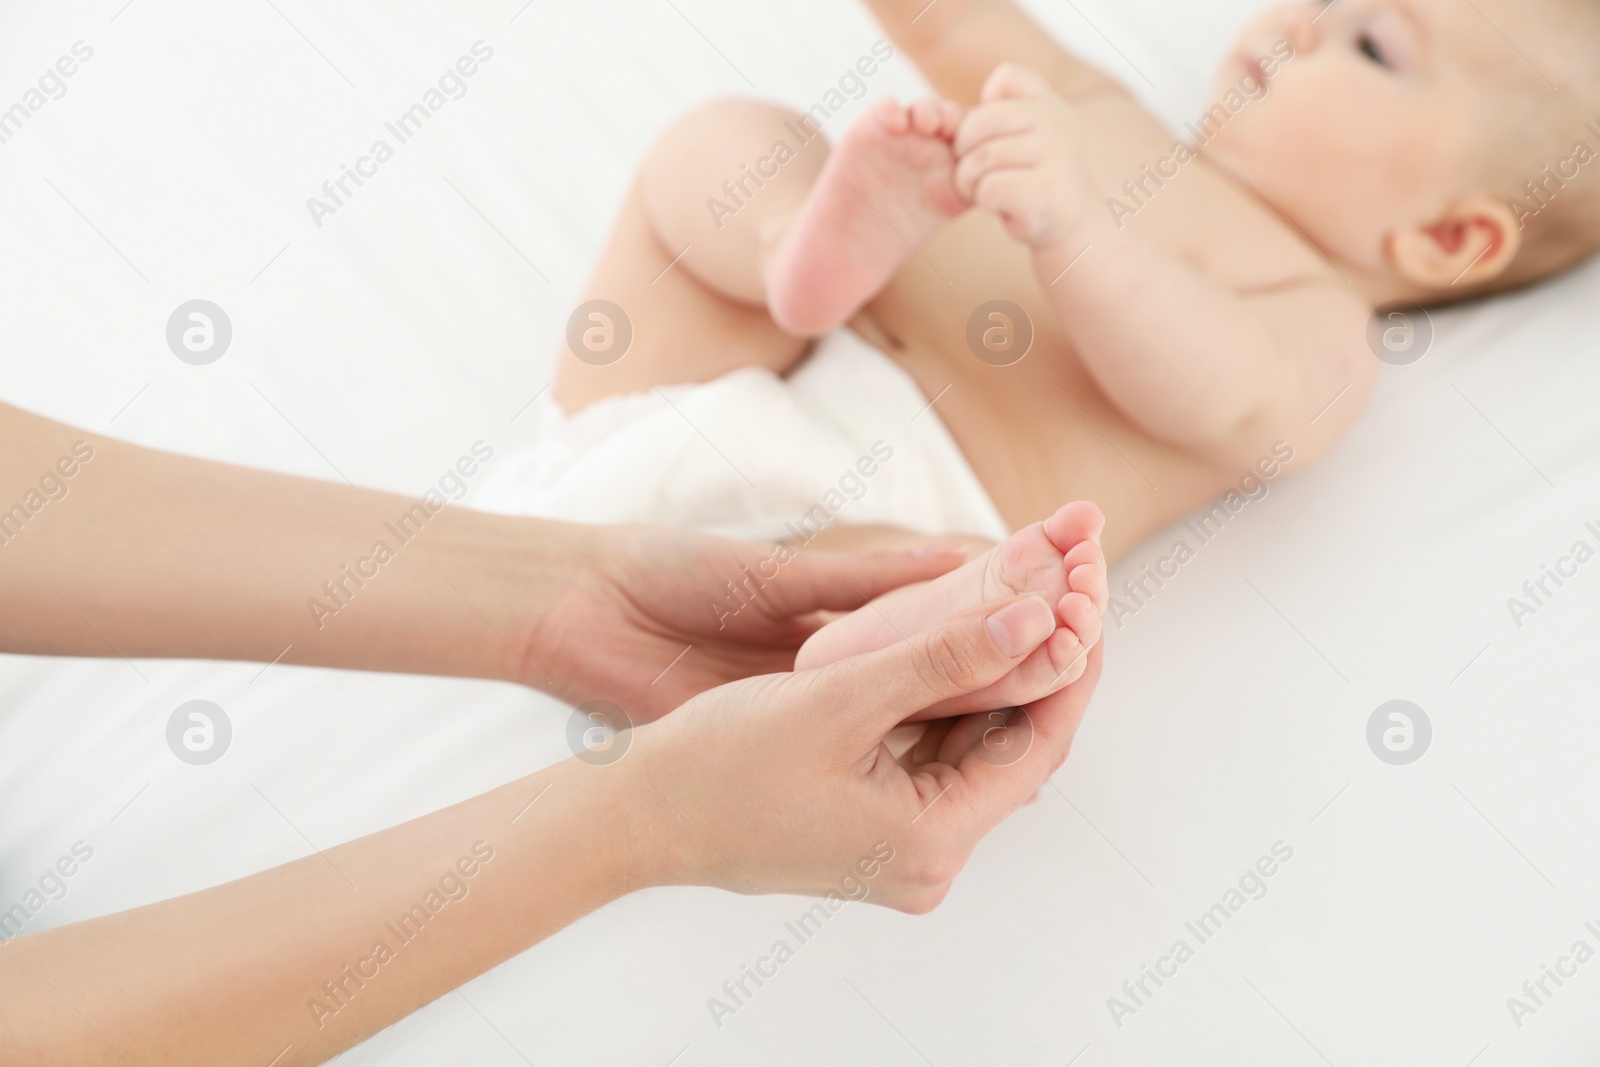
1197	309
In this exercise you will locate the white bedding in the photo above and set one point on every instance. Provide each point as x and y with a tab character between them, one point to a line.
421	316
667	456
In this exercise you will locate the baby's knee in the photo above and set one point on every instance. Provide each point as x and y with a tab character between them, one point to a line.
739	133
734	117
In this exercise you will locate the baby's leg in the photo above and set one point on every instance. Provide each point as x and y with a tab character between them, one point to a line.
1058	559
688	275
887	188
743	236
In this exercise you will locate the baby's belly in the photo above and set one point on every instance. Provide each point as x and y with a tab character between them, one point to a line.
1038	432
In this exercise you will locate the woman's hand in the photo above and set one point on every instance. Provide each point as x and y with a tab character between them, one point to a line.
784	783
655	616
774	784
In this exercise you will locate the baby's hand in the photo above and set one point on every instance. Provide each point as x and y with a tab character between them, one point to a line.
1019	157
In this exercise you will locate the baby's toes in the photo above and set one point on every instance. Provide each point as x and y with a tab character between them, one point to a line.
927	117
1081	617
1073	524
891	116
950	116
1046	670
1086	573
1053	666
1064	655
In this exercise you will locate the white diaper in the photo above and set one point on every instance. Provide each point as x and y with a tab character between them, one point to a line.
848	438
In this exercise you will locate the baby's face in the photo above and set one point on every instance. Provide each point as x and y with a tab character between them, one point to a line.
1370	125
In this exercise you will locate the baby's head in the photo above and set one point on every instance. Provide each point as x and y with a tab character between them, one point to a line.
1401	134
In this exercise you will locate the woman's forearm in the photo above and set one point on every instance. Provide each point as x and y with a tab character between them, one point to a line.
108	549
297	963
307	959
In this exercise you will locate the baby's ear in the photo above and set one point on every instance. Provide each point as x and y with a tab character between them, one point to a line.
1473	242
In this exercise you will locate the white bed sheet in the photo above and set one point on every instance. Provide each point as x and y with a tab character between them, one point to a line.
420	318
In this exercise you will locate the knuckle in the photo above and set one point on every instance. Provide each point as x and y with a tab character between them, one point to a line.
996	190
923	901
952	663
945	870
1060	758
930	872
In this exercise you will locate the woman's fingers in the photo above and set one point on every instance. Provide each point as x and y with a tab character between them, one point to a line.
1004	768
991	762
928	745
844	581
1000	153
783	781
970	651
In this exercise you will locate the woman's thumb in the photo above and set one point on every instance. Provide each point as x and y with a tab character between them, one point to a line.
961	655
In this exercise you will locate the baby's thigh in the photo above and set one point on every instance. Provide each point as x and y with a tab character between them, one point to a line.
678	295
644	321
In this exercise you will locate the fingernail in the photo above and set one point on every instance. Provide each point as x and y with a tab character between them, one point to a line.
940	550
1021	626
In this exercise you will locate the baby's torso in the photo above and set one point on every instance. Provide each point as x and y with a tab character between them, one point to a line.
1039	432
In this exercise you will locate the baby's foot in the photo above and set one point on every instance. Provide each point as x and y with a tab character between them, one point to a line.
887	188
1058	559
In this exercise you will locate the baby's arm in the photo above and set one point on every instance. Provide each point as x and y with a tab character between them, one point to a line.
1192	360
956	43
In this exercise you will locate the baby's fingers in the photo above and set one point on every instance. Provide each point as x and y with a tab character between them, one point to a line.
1003	119
1000	153
1013	81
1018	196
